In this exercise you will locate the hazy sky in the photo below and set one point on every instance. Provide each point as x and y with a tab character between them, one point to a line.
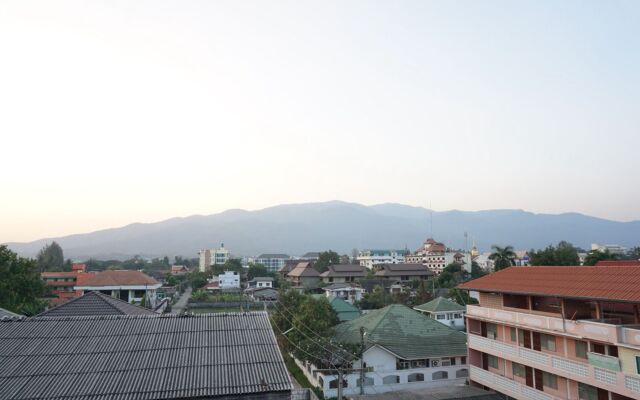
119	111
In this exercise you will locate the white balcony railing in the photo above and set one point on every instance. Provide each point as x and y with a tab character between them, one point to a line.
603	378
507	386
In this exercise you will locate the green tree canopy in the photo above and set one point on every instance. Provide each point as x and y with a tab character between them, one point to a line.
563	254
21	289
452	275
51	258
256	270
595	255
325	259
502	257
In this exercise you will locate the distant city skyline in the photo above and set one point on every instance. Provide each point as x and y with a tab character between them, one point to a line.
120	112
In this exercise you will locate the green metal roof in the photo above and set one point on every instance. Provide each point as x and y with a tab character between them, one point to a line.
345	310
404	332
440	304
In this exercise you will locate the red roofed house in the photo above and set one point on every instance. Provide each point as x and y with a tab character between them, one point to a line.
61	284
554	333
127	285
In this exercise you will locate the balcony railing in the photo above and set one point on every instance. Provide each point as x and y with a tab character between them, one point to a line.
507	386
582	372
590	329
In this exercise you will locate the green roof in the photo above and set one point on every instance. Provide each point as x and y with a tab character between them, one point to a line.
404	332
346	311
440	304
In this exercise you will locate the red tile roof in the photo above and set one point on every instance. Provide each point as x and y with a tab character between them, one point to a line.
611	283
117	278
48	274
618	263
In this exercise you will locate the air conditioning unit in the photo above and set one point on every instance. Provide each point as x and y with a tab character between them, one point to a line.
435	363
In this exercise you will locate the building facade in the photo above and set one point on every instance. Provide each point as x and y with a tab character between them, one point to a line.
272	262
209	257
127	285
229	280
369	258
444	311
553	333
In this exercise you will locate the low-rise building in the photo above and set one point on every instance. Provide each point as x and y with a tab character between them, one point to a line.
444	311
557	333
311	256
371	258
272	261
615	249
342	273
344	291
229	280
262	294
403	272
62	284
127	285
344	310
261	282
403	350
304	275
95	303
178	270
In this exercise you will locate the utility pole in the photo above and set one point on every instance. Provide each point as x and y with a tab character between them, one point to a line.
339	383
362	360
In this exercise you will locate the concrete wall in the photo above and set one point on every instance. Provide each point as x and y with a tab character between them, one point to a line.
628	360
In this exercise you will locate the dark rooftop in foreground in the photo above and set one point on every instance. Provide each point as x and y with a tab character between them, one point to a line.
8	315
221	356
95	303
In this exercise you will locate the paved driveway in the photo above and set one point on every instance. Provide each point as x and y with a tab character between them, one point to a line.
181	304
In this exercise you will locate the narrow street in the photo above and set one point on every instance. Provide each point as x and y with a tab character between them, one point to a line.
181	304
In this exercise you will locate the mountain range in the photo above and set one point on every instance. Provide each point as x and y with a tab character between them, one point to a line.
298	228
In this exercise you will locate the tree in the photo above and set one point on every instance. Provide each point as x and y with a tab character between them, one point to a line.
595	255
325	259
502	257
452	275
378	298
51	258
564	254
256	270
197	279
476	270
21	289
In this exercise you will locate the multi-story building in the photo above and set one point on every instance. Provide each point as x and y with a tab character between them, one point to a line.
341	273
209	257
369	258
304	275
62	284
553	333
403	272
272	262
612	248
229	280
436	256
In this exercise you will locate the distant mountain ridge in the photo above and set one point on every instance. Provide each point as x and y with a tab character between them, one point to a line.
298	228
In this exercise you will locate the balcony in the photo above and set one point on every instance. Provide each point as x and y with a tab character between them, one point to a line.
507	386
598	376
589	329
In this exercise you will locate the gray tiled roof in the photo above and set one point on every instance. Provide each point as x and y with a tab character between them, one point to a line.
6	314
140	357
95	303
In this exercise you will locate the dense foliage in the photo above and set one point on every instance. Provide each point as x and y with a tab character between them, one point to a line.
563	254
502	257
325	259
21	289
594	256
51	258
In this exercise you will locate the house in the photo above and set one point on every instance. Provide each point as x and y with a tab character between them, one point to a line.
557	332
484	261
260	282
229	280
403	272
178	270
304	275
272	262
341	273
444	311
213	284
209	257
262	294
287	267
343	291
227	356
403	350
95	303
62	284
368	285
344	310
311	256
370	258
127	285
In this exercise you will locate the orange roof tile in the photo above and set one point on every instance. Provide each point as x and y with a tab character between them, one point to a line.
611	283
117	278
618	263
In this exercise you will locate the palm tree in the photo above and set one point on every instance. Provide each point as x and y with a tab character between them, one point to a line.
502	257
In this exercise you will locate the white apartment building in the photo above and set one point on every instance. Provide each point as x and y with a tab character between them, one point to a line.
369	258
209	257
613	248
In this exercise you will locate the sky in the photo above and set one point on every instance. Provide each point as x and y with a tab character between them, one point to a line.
114	112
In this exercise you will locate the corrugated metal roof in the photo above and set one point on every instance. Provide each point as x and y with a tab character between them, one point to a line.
610	283
95	303
140	357
405	332
6	314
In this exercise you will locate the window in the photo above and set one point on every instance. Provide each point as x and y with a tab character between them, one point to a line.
549	380
493	361
416	378
581	349
367	381
638	364
492	331
518	370
390	379
514	334
453	360
463	360
439	375
462	373
548	342
458	316
587	392
440	316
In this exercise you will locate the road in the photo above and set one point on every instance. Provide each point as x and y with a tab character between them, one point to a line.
181	304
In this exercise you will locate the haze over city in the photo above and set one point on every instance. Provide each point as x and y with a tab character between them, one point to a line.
118	112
